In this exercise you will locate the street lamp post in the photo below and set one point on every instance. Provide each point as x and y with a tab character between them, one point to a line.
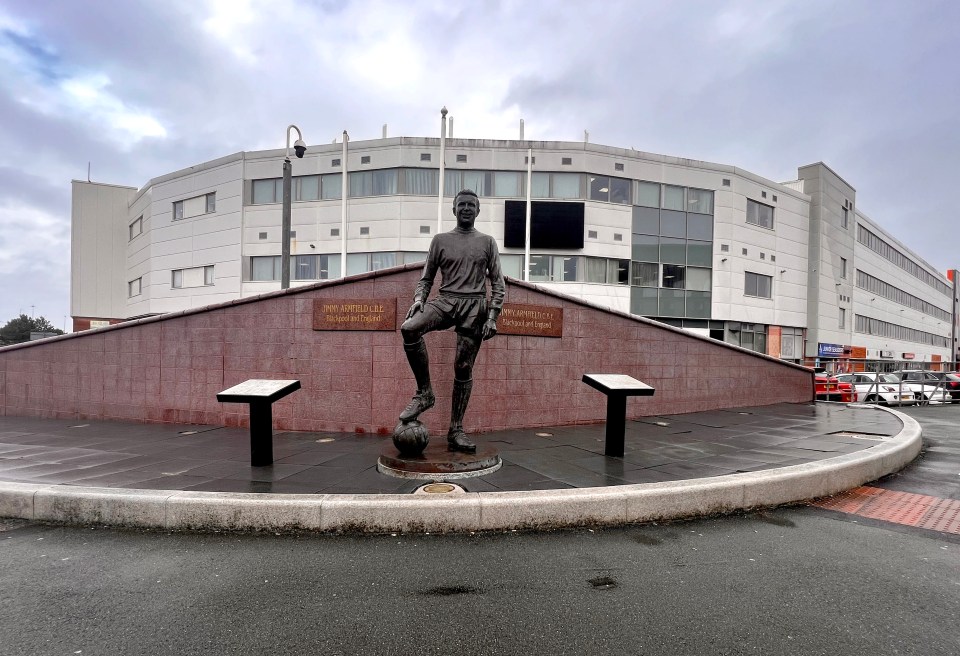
299	148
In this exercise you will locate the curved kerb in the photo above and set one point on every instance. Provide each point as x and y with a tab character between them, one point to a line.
473	511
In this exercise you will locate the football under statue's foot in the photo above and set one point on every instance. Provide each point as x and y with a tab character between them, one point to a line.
457	441
421	402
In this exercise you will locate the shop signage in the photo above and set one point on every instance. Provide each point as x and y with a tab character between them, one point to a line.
858	352
355	314
886	354
829	350
909	356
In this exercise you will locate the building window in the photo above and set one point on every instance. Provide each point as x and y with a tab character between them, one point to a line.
774	198
424	157
334	232
647	194
133	287
726	182
364	159
265	268
617	236
136	228
373	183
743	251
843	318
335	162
645	274
263	235
591	234
267	191
192	277
673	198
700	201
461	159
843	268
763	194
759	214
844	218
191	207
425	230
618	166
566	161
364	230
758	285
611	190
763	255
724	248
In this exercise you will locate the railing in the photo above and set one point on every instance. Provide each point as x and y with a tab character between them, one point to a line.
935	386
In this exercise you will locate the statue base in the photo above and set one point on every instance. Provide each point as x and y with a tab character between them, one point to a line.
437	463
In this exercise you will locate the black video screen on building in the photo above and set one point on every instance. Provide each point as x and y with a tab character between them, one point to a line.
552	224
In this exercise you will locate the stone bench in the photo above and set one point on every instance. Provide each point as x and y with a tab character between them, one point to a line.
260	394
617	387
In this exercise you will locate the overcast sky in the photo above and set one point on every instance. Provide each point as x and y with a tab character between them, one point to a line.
139	89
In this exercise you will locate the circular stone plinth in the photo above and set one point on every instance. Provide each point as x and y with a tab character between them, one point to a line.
437	463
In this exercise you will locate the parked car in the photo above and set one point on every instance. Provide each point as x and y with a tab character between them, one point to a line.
950	381
952	384
926	385
828	388
879	388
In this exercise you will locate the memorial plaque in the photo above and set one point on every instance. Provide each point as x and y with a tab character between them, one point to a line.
534	320
258	387
355	314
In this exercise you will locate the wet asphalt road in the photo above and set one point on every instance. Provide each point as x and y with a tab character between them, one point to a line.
795	580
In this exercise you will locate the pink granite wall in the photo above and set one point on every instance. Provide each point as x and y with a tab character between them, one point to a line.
170	368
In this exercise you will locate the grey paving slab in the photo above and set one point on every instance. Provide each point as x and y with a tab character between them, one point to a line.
215	458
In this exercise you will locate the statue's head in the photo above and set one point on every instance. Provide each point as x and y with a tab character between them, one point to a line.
466	207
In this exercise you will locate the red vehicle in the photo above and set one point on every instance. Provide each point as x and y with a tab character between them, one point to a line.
828	388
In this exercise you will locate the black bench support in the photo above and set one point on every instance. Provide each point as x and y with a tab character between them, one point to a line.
260	395
617	387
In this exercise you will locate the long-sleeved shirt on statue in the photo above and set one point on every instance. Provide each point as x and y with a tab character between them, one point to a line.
465	260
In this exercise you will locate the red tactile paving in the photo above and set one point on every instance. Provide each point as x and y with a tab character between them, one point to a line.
904	508
850	501
944	515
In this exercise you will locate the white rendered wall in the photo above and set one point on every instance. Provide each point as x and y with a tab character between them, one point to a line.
99	231
203	240
780	253
877	307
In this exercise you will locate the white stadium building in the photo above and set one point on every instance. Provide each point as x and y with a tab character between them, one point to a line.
791	269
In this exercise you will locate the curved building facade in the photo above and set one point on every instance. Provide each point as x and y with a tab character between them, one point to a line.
790	269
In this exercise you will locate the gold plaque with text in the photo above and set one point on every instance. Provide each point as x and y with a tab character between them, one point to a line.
533	320
355	314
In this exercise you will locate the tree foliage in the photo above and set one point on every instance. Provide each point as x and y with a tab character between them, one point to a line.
19	329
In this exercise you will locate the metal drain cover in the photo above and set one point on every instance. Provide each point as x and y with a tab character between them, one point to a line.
439	488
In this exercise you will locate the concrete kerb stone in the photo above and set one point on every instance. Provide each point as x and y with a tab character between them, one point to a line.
93	505
16	499
240	511
380	513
